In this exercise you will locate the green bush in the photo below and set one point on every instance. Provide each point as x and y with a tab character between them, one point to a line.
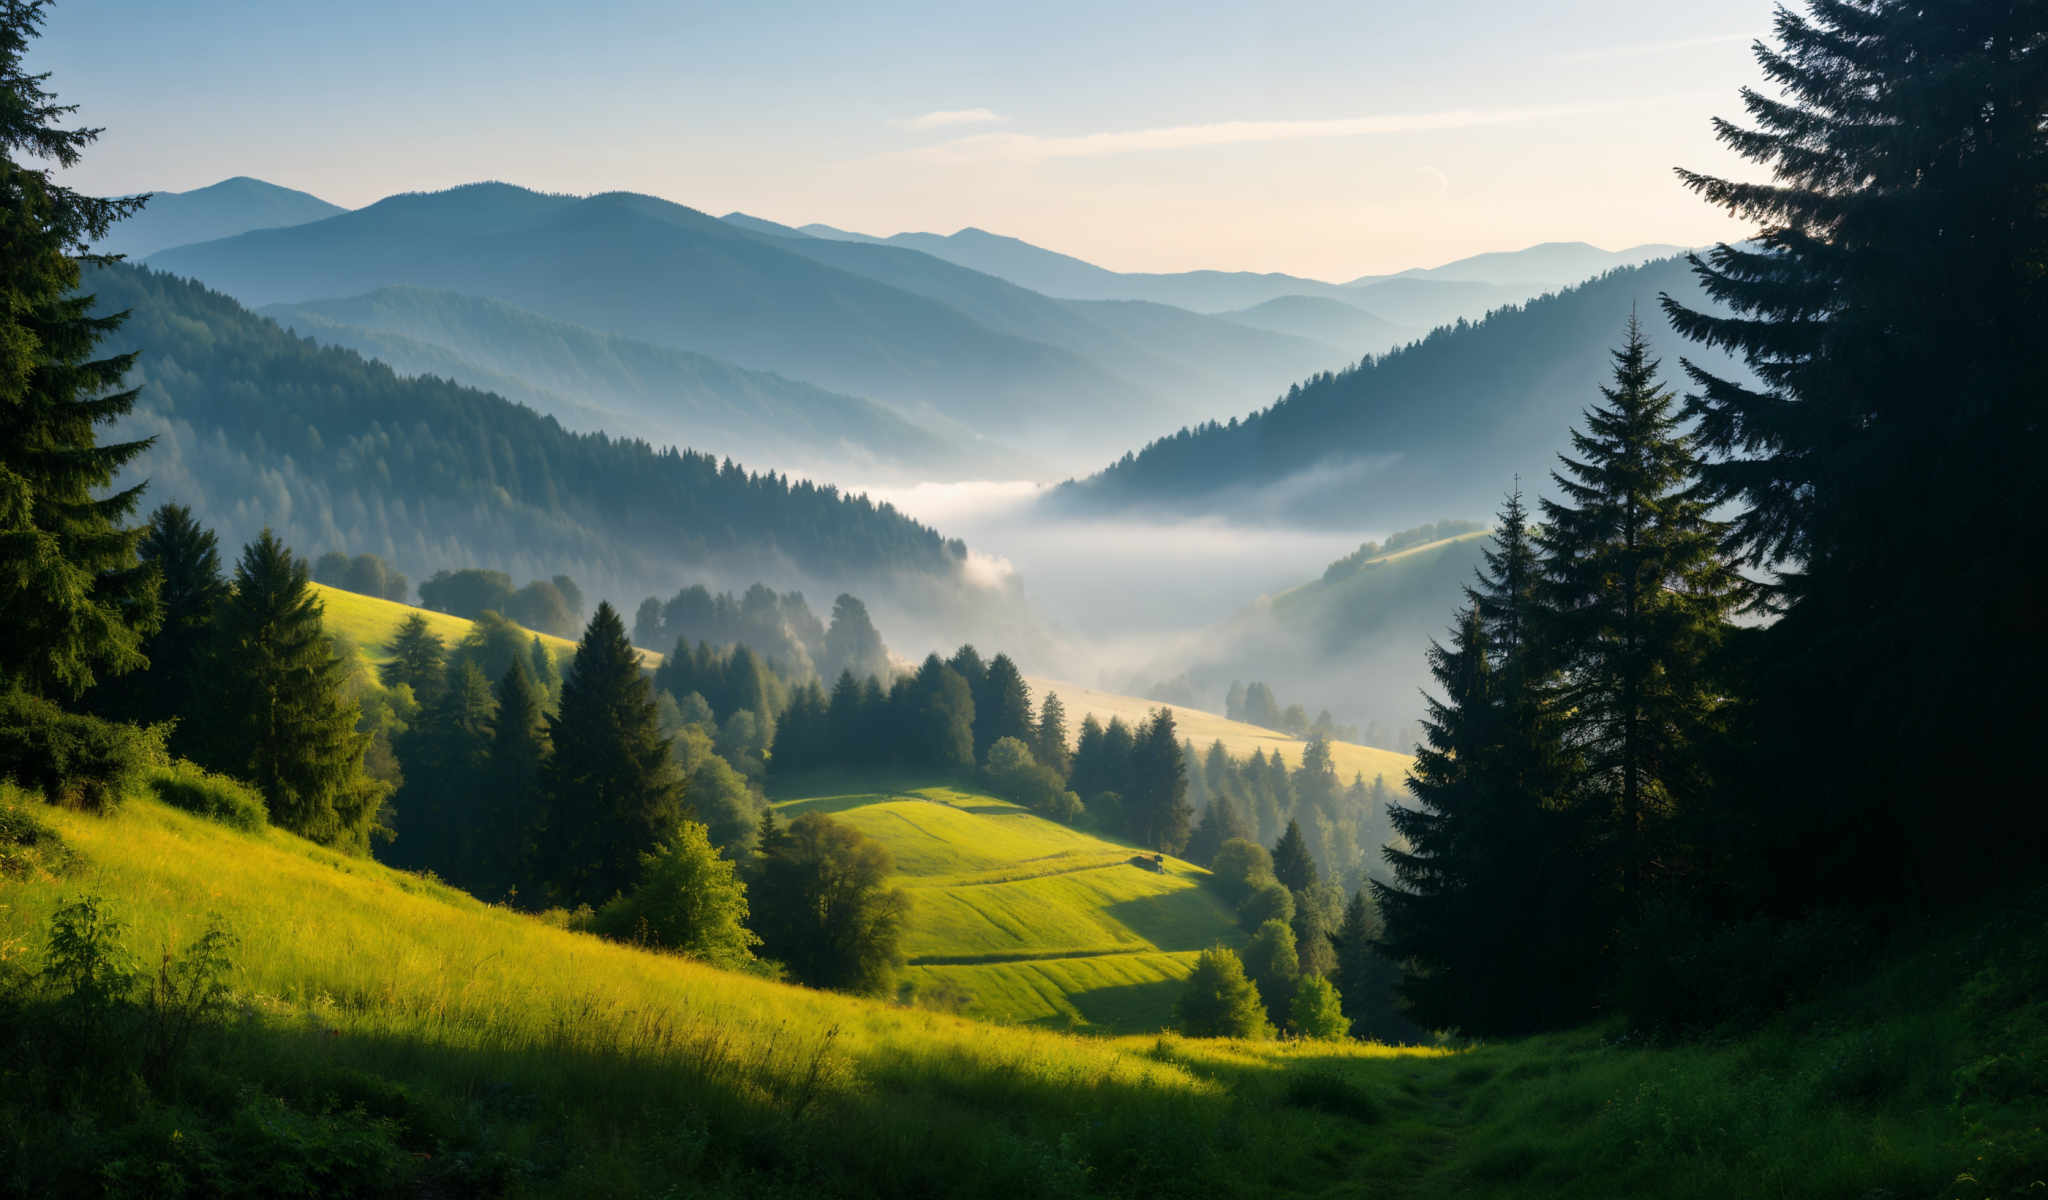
27	846
72	759
191	787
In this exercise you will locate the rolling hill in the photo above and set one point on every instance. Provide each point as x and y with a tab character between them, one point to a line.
257	427
1017	919
386	1035
1323	319
652	271
224	209
1353	641
594	382
1442	425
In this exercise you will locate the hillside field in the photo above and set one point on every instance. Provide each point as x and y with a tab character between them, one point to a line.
1238	737
1018	919
390	1036
369	622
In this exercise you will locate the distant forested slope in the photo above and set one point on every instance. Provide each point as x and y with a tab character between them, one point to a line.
1439	427
257	427
597	381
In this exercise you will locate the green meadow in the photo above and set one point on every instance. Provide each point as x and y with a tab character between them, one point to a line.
391	1036
1015	918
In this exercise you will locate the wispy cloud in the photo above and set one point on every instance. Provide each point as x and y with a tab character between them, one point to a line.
1645	49
1028	147
946	118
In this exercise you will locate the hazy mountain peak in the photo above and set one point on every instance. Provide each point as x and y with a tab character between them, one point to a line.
234	205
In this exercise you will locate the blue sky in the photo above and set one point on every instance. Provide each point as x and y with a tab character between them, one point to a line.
1323	139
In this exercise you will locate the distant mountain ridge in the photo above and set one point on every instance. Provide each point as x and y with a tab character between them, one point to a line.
1442	425
1511	274
256	427
931	340
224	209
599	382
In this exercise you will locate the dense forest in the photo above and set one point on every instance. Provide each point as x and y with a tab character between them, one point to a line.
1403	436
256	427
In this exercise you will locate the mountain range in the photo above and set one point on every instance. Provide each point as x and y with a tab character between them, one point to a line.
1441	427
808	349
256	428
594	382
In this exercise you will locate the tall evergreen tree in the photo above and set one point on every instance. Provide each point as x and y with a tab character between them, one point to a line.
1157	809
1049	735
1491	934
1292	865
942	717
1890	309
283	720
419	659
1638	596
612	792
440	811
74	600
1004	707
1364	978
186	559
508	839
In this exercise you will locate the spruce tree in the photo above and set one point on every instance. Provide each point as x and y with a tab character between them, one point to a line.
1157	813
1485	910
1049	736
1364	978
508	836
1292	865
440	811
285	723
190	588
419	660
74	600
1637	600
1890	311
611	790
1004	707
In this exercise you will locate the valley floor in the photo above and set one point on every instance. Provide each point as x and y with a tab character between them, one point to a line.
390	1036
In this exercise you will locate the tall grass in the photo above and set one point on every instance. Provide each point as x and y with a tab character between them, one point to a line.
397	1037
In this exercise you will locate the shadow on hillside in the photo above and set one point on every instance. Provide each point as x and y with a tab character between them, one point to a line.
1182	919
1130	1007
374	1113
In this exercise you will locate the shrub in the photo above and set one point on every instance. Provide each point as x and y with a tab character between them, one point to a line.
191	787
689	901
27	846
1239	868
1316	1011
1683	974
1270	901
1218	1000
72	759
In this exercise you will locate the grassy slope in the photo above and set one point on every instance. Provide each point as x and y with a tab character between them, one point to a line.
1019	918
1239	738
370	622
1024	920
555	1064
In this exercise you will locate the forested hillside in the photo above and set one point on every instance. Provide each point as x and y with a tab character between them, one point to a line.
1350	642
1437	427
256	427
594	382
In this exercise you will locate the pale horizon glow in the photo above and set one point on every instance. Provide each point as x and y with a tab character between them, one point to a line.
1323	139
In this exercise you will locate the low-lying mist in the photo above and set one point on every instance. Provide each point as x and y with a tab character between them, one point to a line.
1177	609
